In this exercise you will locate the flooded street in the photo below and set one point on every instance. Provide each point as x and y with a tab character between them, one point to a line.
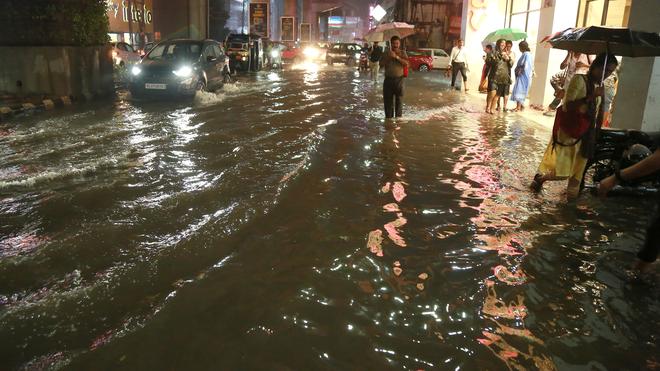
280	224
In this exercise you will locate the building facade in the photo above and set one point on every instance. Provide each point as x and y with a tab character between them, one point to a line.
128	18
157	20
541	18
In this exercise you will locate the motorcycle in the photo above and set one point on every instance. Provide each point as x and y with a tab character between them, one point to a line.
364	61
618	149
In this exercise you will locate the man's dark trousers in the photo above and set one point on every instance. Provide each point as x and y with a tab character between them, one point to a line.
455	68
392	93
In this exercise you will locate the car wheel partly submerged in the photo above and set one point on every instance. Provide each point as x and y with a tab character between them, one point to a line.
423	68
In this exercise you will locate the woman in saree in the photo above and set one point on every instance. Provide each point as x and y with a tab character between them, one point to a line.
523	76
581	110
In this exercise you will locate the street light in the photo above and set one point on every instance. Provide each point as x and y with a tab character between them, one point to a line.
378	13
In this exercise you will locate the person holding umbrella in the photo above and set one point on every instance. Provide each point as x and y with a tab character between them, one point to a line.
499	78
394	63
567	154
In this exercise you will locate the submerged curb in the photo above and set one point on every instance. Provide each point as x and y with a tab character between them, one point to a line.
20	108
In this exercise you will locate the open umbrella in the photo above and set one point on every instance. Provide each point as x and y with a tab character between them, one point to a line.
385	31
512	34
618	41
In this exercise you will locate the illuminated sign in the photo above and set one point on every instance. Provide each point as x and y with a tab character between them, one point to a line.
122	12
335	21
287	29
259	19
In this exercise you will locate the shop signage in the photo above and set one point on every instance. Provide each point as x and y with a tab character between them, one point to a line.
305	32
259	19
287	29
122	12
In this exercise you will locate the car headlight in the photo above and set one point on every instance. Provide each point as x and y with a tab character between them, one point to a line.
184	71
311	52
357	55
136	70
274	53
244	59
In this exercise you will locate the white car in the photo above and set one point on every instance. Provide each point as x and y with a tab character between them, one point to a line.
440	58
124	55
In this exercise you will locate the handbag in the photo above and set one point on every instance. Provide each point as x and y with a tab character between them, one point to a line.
572	122
405	71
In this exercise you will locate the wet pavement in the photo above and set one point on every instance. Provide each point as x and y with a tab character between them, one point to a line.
280	224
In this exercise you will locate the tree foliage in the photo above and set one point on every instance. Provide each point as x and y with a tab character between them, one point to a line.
53	22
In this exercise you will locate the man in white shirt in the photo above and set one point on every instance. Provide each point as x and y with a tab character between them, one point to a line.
458	63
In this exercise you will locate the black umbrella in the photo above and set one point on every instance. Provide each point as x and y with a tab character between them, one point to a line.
618	41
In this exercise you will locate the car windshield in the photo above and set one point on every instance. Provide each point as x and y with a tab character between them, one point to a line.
176	51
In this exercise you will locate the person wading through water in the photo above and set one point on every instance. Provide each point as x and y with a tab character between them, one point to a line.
394	62
577	118
458	63
375	54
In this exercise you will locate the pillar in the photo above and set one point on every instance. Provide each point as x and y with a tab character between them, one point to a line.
636	105
547	60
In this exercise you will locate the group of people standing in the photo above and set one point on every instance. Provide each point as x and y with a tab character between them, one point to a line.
496	77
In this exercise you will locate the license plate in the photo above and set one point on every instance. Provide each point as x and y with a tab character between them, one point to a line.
155	86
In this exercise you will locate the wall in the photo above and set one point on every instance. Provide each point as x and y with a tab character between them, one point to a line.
181	19
80	72
636	103
480	17
547	60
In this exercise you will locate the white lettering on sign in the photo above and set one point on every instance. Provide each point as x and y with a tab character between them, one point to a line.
130	11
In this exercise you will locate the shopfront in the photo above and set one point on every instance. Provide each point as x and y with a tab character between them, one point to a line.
131	21
538	18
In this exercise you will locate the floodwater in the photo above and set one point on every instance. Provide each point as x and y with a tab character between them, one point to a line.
279	224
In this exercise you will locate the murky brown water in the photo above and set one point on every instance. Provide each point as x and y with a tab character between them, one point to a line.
280	225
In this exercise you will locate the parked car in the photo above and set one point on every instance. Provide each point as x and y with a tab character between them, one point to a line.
346	53
440	58
420	60
123	54
245	52
179	67
291	53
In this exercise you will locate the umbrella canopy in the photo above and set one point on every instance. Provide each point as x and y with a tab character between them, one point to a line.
385	31
512	34
618	41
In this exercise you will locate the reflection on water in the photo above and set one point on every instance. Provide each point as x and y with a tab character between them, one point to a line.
280	223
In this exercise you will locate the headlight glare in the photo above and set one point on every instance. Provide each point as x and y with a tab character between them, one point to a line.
184	71
136	70
274	53
357	55
311	52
